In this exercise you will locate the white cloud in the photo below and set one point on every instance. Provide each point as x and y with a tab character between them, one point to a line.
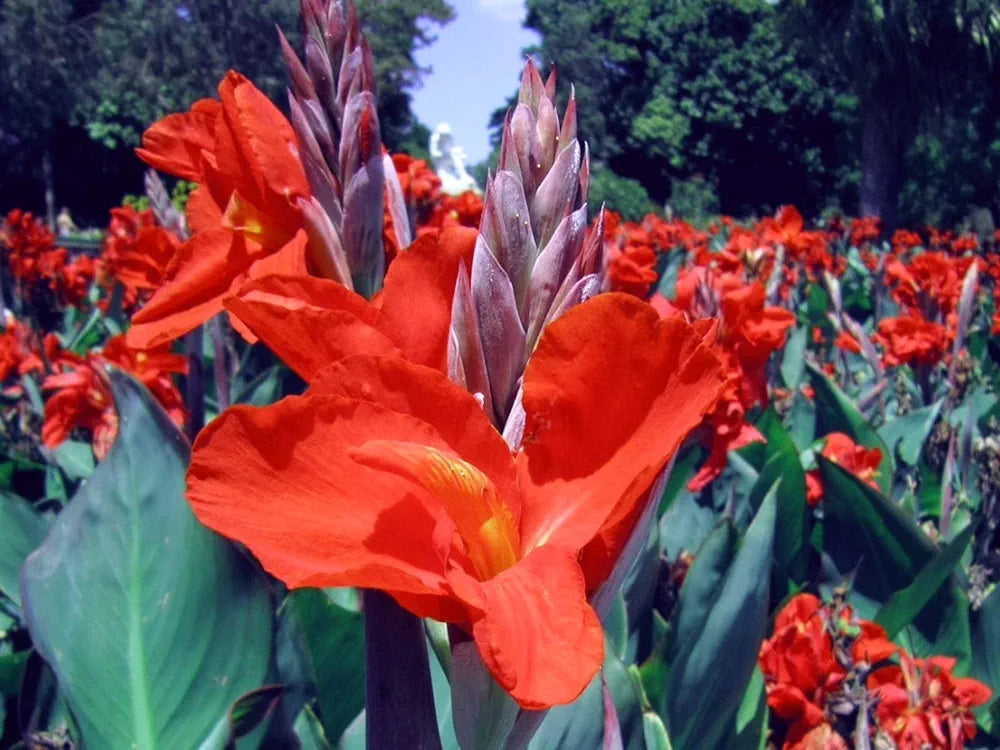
505	10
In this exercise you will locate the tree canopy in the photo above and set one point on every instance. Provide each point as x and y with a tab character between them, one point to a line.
93	74
766	102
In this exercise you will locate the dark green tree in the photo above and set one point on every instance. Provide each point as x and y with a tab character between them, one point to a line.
905	60
671	89
45	48
82	79
158	57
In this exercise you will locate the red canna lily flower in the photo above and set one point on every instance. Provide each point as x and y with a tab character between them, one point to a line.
138	253
245	214
860	461
390	476
632	269
922	705
82	396
800	666
910	339
153	368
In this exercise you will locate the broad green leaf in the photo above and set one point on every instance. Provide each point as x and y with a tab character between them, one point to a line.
977	404
75	458
783	471
749	728
906	434
713	666
246	713
802	421
334	651
906	604
153	624
483	711
864	530
835	412
686	524
581	723
985	627
701	587
309	731
23	531
793	360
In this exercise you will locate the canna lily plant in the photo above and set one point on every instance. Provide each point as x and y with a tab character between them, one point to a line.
389	476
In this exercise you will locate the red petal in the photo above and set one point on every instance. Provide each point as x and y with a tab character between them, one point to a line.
535	631
203	214
430	397
311	514
308	322
174	144
416	307
290	260
609	394
255	151
209	265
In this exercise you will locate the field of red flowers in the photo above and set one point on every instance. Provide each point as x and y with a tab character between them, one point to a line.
327	457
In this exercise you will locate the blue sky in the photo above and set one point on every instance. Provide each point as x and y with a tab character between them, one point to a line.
476	63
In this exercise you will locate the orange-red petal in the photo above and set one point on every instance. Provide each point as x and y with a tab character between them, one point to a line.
535	631
311	514
209	264
431	397
610	393
175	144
417	300
309	322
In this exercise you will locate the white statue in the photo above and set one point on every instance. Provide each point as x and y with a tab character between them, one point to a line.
449	162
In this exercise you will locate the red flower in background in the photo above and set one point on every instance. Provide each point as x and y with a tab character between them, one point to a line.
81	395
904	240
746	334
153	368
81	398
804	670
865	229
632	269
800	666
930	284
752	331
36	262
840	449
138	253
912	340
420	183
922	706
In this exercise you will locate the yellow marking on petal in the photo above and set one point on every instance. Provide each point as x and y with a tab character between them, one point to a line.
482	518
244	217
